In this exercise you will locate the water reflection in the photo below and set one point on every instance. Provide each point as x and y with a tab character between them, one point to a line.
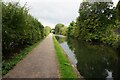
60	39
71	55
95	61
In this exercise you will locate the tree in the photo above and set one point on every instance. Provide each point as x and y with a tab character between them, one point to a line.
47	30
19	29
64	31
60	29
73	30
118	9
96	21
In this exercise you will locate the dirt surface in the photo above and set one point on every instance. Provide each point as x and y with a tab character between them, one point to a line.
41	62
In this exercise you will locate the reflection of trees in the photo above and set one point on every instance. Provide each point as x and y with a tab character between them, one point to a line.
93	59
60	39
116	73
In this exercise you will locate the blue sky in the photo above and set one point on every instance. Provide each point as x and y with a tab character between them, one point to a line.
51	12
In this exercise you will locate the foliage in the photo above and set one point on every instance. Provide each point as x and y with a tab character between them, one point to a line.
66	70
47	30
60	29
118	10
117	45
96	23
73	30
19	29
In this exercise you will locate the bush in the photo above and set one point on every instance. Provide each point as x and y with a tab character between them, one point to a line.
47	30
19	29
60	29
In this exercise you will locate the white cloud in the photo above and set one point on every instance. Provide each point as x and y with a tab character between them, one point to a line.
51	12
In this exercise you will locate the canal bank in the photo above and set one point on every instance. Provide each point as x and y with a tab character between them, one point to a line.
67	70
92	61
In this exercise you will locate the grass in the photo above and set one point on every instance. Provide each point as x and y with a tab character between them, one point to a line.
65	67
10	63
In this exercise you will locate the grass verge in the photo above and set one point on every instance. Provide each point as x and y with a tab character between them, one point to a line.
10	63
65	68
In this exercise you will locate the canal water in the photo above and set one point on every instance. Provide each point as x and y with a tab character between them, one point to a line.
92	61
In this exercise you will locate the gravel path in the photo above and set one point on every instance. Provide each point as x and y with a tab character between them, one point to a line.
41	62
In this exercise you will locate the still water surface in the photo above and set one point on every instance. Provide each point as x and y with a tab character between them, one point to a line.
92	61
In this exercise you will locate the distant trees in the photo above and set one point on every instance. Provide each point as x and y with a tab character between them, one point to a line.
60	29
73	30
19	28
53	30
96	23
47	30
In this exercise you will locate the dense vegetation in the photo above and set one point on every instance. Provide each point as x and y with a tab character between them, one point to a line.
21	32
97	23
47	30
118	9
19	29
94	38
60	29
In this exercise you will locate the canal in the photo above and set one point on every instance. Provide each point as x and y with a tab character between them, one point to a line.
92	61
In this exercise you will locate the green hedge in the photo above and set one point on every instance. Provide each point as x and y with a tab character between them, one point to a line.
19	29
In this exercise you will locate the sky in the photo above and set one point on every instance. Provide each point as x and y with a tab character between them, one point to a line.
52	12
